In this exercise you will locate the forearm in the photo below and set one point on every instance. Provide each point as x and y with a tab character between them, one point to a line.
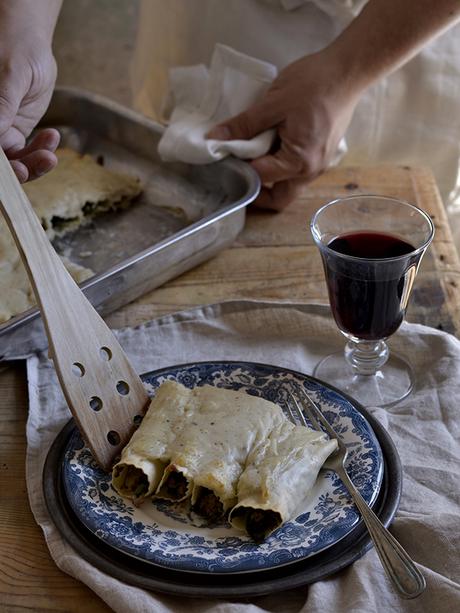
387	34
26	17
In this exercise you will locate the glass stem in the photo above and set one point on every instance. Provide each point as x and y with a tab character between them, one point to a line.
366	357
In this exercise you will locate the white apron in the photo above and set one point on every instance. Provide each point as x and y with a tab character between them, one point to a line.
410	117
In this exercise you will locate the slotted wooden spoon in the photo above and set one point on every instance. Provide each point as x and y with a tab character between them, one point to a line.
104	393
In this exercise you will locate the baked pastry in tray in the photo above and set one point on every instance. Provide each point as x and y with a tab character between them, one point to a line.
76	190
71	195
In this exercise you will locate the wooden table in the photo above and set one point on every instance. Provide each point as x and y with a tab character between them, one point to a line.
273	258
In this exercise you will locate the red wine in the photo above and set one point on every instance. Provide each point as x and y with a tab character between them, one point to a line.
366	294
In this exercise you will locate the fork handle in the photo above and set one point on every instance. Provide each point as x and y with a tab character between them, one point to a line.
401	569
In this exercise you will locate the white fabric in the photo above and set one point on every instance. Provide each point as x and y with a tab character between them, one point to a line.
338	9
425	429
410	117
203	98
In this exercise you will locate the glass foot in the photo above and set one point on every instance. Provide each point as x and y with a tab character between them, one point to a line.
390	384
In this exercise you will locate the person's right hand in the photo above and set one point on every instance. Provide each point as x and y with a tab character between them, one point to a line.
310	104
27	77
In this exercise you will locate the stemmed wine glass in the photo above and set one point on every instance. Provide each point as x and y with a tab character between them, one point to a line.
371	247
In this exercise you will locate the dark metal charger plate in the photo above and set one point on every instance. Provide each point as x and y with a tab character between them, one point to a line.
141	574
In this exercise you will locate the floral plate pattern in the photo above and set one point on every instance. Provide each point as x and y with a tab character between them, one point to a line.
165	534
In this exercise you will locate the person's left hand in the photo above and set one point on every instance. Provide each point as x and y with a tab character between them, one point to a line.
310	104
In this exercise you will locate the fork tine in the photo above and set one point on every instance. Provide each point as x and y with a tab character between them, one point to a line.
289	410
314	413
292	402
305	409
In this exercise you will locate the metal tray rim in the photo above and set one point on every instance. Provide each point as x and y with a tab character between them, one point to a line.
244	169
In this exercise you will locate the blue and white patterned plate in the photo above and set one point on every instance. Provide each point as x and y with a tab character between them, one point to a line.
164	534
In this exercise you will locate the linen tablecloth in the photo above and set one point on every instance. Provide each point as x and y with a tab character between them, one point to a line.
424	427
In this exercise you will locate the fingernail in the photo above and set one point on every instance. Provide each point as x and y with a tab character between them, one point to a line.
22	176
220	133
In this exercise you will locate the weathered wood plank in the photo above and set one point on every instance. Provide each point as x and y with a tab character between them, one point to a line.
29	579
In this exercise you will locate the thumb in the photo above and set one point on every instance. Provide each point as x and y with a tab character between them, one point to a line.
10	99
13	88
246	125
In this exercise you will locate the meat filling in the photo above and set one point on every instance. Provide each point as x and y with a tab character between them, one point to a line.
175	486
132	480
208	505
259	523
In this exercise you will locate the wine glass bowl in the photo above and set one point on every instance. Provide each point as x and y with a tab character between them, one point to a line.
371	248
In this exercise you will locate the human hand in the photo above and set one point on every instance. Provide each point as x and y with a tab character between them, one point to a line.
310	104
27	77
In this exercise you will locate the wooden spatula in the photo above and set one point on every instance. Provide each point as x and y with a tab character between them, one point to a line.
102	390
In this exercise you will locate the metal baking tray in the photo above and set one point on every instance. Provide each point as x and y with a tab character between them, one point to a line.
185	215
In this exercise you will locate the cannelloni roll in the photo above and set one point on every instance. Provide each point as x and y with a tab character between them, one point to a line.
279	474
213	446
143	461
224	451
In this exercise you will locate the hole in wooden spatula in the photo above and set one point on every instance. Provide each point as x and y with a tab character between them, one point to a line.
137	419
122	388
95	403
113	438
105	353
78	369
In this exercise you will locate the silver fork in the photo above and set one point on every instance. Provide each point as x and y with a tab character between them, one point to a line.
405	576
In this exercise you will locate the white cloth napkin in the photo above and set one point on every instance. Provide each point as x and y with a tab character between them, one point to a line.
425	429
203	98
341	10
